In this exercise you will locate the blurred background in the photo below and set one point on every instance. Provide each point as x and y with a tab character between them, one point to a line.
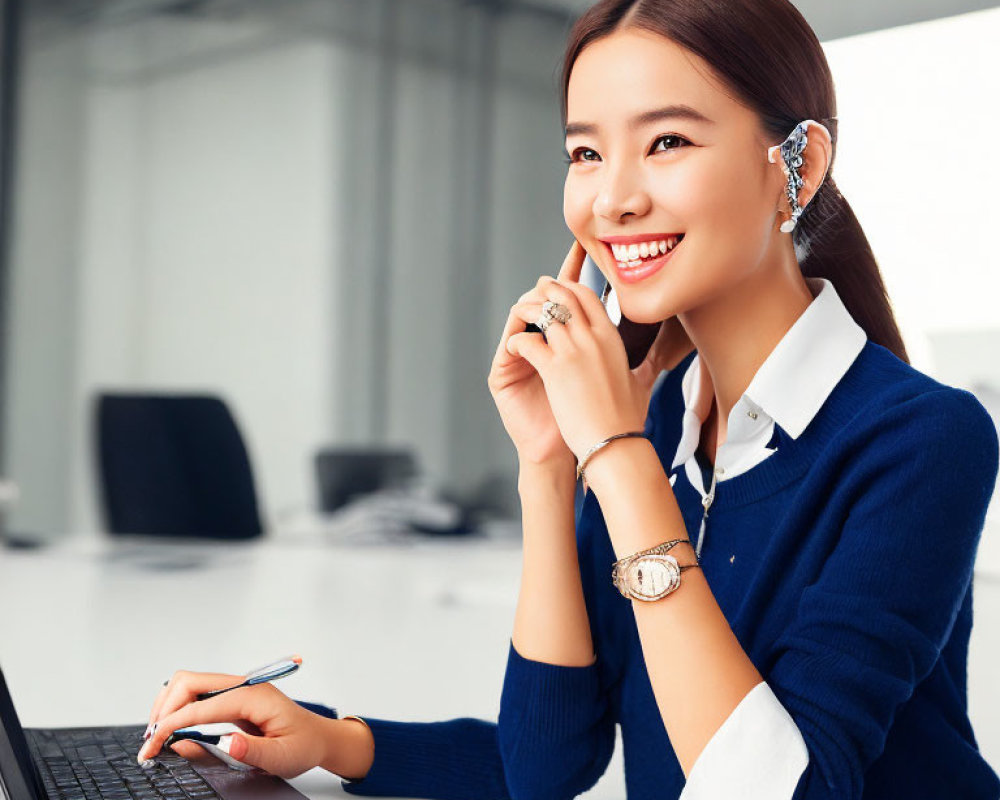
287	234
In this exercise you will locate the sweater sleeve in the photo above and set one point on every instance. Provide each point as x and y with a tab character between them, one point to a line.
451	760
556	730
873	624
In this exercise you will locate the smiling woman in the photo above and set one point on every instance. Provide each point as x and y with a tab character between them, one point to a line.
770	509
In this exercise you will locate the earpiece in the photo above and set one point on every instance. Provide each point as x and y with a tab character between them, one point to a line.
791	160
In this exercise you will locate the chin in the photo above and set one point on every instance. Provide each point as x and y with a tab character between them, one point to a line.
645	307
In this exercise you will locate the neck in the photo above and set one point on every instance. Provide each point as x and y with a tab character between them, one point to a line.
736	332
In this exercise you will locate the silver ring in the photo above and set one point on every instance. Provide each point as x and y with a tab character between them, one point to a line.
556	311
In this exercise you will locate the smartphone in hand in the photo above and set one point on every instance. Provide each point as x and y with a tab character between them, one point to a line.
637	336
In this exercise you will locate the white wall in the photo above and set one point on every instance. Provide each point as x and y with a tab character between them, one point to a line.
237	230
44	280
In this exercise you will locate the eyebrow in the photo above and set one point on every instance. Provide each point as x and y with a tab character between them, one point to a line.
679	111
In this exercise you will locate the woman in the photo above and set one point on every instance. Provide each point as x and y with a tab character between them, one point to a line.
823	499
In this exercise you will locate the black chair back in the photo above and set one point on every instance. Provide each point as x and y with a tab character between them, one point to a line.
174	465
346	472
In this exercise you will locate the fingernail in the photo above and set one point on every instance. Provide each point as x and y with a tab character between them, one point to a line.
236	746
148	733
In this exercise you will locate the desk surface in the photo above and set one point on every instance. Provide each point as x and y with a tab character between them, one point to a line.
90	629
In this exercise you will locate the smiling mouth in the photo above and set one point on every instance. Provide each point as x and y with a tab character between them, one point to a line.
630	256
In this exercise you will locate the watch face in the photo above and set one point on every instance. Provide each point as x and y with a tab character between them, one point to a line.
652	577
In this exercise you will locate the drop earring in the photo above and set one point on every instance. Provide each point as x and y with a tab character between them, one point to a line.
791	157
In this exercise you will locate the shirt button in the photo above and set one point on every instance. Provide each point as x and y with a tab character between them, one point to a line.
719	470
752	414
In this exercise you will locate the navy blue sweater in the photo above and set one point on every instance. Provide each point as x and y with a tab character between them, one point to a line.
844	566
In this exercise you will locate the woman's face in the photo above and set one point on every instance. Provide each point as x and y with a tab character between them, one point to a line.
640	176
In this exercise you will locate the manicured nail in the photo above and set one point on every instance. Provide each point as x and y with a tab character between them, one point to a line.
148	733
225	743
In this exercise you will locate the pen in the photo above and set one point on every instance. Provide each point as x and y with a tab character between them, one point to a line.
265	674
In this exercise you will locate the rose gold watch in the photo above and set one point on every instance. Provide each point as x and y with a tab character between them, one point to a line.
651	574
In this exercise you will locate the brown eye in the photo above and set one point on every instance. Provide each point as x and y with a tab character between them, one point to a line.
670	137
578	155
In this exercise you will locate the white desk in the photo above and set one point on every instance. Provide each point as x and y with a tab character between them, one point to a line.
89	630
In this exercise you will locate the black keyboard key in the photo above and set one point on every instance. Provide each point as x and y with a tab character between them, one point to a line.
99	764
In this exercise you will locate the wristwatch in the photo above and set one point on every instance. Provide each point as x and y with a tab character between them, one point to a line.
651	574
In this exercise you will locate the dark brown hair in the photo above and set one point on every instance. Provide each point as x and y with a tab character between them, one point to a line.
767	54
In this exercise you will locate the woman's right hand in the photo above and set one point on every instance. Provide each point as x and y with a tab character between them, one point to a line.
279	735
517	388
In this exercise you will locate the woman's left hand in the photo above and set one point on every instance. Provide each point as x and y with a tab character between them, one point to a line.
583	365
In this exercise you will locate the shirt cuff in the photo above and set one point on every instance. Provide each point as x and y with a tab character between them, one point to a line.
757	754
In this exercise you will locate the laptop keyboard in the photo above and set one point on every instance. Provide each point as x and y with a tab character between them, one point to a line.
92	763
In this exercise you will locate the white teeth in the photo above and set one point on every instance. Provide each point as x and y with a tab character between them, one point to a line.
631	255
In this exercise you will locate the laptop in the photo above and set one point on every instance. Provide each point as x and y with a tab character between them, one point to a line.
100	763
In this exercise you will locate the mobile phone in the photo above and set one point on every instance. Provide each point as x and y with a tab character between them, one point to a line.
638	337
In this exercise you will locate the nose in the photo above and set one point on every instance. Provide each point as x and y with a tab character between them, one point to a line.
622	193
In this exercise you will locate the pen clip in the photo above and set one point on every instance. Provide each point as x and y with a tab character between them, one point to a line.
271	672
265	674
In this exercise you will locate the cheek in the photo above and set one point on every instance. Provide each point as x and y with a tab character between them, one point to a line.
702	190
577	205
726	200
733	191
693	192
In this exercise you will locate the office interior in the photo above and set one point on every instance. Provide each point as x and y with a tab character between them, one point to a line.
313	216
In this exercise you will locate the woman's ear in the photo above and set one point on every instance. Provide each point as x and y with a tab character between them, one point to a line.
816	160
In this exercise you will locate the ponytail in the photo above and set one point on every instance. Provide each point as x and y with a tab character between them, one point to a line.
830	243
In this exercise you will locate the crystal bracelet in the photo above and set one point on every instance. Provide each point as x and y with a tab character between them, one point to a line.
599	445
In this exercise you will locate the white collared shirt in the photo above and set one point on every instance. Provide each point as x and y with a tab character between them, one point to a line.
758	753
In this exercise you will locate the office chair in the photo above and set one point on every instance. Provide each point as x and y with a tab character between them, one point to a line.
346	472
174	465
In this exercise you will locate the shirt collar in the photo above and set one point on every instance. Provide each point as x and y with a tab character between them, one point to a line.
794	381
